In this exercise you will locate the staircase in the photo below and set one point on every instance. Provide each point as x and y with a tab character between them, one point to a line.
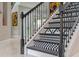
53	39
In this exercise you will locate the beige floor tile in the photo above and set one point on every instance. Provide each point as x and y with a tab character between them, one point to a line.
10	48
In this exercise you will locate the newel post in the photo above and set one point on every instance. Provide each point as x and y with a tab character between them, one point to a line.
61	45
22	34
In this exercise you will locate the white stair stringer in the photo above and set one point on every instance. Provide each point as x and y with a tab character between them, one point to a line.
38	53
73	46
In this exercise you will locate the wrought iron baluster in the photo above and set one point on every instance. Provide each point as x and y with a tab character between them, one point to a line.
25	31
30	25
32	17
67	29
45	12
41	15
34	21
71	24
37	18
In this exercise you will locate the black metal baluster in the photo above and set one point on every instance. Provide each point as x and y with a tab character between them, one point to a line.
64	28
34	30
45	12
67	25
25	31
71	25
37	19
64	37
68	28
41	15
48	10
28	27
32	22
22	34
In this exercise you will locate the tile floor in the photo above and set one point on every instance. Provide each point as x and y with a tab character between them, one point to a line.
11	48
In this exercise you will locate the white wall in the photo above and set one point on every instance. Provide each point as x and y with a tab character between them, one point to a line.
5	30
19	7
73	46
14	29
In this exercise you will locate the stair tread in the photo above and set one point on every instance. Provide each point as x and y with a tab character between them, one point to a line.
59	22
54	38
66	12
64	17
74	5
70	8
52	34
56	27
48	41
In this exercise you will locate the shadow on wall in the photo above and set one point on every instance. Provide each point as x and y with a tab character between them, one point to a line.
74	44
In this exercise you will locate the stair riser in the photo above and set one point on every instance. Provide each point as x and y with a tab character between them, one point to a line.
39	54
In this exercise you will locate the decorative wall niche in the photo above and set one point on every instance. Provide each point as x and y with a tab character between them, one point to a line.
14	19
